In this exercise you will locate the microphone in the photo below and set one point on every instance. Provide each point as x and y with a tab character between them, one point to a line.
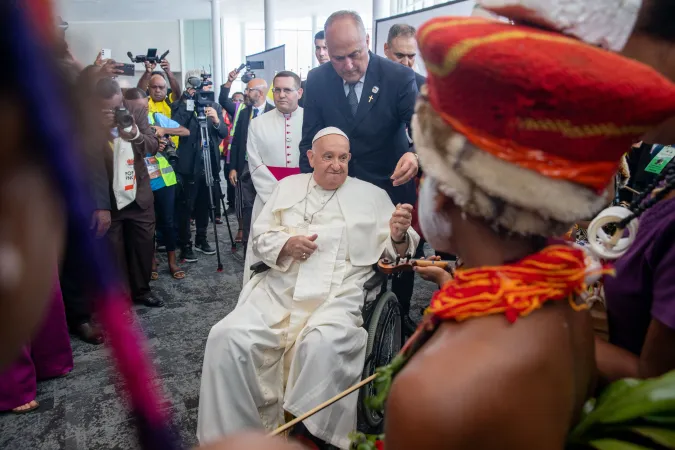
131	56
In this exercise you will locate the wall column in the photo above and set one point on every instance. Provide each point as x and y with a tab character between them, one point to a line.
269	24
216	42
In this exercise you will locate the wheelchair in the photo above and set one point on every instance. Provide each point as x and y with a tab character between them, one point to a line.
382	320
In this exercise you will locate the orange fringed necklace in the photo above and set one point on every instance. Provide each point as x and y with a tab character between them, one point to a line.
558	272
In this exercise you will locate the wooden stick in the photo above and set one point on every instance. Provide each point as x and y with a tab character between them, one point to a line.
324	405
630	189
429	263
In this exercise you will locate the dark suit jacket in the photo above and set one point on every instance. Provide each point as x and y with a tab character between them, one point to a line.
377	133
420	80
303	86
147	143
240	139
226	102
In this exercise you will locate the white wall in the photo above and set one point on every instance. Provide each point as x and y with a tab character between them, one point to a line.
86	39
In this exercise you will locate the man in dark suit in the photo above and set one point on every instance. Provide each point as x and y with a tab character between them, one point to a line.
401	47
372	100
255	97
193	192
321	53
132	231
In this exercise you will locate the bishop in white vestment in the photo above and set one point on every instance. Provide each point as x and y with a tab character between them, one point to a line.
295	338
273	147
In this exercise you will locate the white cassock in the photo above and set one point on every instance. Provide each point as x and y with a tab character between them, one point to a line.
273	154
295	338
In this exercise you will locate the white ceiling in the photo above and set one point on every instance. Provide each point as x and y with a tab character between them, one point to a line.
149	10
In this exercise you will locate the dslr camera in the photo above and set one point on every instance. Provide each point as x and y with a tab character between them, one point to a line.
150	57
123	119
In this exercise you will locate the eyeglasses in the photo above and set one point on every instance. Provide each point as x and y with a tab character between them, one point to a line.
284	90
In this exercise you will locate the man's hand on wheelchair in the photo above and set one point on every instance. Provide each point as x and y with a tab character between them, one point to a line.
433	273
300	247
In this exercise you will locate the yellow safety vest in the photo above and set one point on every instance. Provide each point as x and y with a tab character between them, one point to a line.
165	169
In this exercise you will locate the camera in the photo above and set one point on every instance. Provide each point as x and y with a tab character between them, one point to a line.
250	67
123	118
150	57
202	98
170	151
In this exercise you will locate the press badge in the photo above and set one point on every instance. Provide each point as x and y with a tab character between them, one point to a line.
190	105
661	160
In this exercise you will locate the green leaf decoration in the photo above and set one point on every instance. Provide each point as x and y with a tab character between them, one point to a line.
382	384
629	400
613	444
661	436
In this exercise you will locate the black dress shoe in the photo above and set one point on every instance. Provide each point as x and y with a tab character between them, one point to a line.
409	326
89	333
152	302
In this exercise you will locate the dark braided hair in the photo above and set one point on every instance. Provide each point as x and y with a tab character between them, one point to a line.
642	203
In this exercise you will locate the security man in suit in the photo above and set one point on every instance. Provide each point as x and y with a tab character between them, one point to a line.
372	100
401	47
255	98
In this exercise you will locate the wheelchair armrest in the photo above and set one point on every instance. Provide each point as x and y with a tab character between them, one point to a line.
259	267
375	281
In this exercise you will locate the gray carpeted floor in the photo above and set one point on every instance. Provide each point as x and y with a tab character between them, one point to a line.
83	410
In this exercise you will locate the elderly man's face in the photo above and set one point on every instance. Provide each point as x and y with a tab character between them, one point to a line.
329	157
348	49
158	88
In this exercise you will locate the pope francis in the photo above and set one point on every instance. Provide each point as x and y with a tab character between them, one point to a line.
295	338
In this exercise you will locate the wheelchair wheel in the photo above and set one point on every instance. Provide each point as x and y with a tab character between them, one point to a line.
384	342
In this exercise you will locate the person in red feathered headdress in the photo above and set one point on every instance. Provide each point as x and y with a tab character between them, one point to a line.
520	133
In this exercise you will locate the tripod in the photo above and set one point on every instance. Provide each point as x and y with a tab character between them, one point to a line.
208	174
227	221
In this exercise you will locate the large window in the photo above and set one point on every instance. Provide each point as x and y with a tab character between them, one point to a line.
404	6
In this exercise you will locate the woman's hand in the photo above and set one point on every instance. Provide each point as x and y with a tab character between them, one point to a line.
434	273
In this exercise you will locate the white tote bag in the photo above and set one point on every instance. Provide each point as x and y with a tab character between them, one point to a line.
124	177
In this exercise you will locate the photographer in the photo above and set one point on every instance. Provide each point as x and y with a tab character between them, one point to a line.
132	229
193	192
158	91
162	178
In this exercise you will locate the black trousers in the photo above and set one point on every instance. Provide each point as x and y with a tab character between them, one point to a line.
132	239
402	285
192	198
165	208
78	305
248	194
230	187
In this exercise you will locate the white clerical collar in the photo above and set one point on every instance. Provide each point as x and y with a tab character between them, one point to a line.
287	116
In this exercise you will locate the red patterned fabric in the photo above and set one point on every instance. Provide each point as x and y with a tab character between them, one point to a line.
558	272
543	101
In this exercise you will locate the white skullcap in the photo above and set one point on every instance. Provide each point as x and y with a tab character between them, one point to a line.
328	131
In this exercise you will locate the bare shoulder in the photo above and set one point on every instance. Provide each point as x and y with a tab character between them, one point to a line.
472	387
